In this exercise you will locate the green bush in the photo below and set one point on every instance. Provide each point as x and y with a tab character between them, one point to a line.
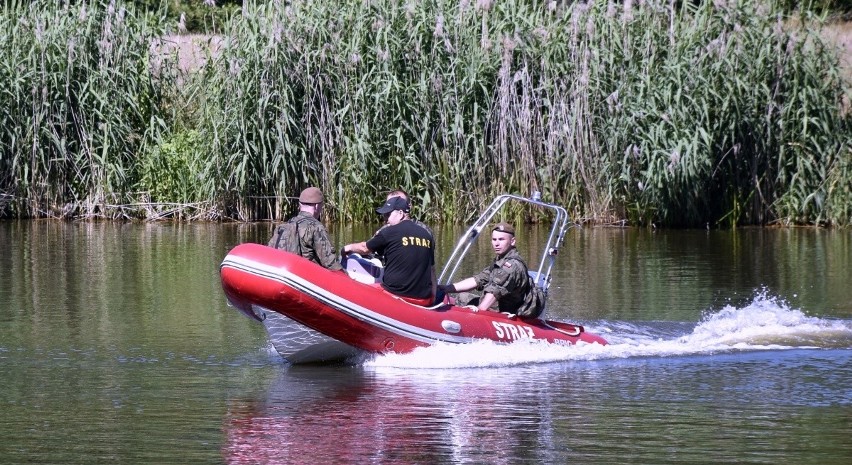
169	172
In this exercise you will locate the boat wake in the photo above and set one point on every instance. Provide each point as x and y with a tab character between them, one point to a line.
767	323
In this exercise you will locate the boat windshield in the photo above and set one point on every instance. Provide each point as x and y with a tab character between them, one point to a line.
559	218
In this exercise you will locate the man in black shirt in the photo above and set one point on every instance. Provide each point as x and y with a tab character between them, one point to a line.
409	252
404	195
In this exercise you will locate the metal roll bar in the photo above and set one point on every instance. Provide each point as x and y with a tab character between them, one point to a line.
551	248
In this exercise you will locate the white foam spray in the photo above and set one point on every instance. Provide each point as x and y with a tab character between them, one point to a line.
767	323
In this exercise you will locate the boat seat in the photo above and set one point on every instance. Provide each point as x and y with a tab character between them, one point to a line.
364	270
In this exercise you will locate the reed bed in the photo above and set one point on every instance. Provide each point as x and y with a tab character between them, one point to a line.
704	115
78	103
639	112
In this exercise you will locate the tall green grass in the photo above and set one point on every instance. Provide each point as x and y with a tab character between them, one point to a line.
710	114
78	102
645	112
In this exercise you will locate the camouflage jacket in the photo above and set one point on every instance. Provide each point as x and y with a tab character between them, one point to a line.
304	235
507	280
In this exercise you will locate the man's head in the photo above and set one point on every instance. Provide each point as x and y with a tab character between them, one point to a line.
398	193
502	238
394	210
311	200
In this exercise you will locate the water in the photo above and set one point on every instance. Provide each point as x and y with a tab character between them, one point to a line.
116	346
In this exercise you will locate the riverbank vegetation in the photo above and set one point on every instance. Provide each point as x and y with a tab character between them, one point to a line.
719	114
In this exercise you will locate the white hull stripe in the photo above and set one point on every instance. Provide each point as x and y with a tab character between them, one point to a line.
338	303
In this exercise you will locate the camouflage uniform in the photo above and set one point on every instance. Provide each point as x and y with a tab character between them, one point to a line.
507	280
313	242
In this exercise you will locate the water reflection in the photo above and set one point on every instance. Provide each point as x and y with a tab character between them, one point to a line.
704	409
117	346
668	275
352	415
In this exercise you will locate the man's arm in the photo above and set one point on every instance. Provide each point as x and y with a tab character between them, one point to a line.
357	247
461	286
486	301
324	250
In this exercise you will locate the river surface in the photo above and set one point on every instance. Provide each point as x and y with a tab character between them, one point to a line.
117	346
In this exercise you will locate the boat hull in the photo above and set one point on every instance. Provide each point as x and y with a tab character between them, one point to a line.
298	344
363	316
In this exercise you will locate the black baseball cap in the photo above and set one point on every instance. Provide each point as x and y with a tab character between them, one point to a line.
394	203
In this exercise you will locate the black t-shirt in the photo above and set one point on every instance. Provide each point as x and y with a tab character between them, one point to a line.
409	252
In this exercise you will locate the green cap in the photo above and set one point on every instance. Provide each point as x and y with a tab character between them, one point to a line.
504	227
311	195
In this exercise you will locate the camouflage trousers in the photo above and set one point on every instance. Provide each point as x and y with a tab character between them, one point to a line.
467	298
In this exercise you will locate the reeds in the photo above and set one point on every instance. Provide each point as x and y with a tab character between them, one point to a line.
78	101
717	114
619	110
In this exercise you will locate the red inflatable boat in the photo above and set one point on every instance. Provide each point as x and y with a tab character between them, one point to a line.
313	314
